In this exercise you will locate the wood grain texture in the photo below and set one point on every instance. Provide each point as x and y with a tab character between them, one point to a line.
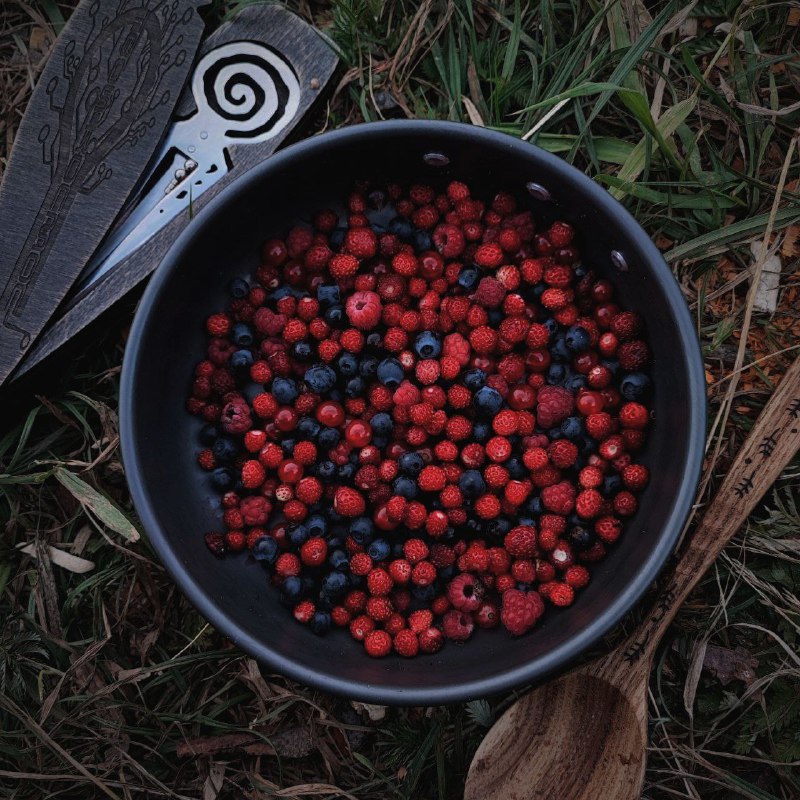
97	114
314	63
584	735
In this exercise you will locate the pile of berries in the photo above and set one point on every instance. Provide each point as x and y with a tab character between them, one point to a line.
422	417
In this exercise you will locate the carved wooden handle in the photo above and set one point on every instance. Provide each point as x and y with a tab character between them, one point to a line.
769	447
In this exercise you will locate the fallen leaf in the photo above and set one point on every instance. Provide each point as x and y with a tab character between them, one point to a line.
375	713
766	298
793	17
61	558
790	247
727	665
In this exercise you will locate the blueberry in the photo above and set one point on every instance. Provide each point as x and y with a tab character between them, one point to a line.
572	428
362	530
280	293
516	469
320	378
405	487
291	590
301	351
390	373
554	434
334	584
422	241
328	294
326	469
225	449
287	445
316	525
475	379
355	387
482	432
380	441
575	383
377	199
447	573
635	386
471	484
397	550
382	424
337	237
338	560
298	535
379	550
534	506
522	520
368	367
320	623
346	472
242	335
284	390
240	361
586	445
538	290
328	438
556	374
581	538
577	338
612	365
559	350
424	594
373	341
265	549
222	479
335	317
411	464
238	288
208	435
499	526
308	428
495	317
579	271
469	278
402	229
427	345
347	364
487	401
611	485
551	325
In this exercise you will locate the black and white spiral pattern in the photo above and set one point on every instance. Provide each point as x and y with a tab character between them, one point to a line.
250	87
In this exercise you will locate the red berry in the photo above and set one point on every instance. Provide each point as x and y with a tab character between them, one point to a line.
378	644
520	611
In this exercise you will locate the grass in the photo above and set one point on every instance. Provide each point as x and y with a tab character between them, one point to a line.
687	113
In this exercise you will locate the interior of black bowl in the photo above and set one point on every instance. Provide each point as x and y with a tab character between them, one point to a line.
174	498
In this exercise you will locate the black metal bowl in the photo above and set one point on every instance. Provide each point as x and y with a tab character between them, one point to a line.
159	439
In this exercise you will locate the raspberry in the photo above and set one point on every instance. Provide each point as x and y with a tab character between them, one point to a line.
348	502
520	542
553	405
449	241
520	611
489	256
431	479
457	625
490	293
378	644
363	310
361	242
559	498
465	592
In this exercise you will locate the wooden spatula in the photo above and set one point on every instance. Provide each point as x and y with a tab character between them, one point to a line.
583	736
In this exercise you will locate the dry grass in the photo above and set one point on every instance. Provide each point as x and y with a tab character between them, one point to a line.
112	686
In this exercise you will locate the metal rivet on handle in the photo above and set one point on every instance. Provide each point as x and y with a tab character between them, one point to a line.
618	260
436	159
538	191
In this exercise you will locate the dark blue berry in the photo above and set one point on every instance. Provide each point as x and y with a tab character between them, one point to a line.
334	584
427	345
326	469
482	432
368	367
572	428
265	550
298	535
362	530
301	351
380	441
222	479
328	438
284	390
377	199
328	294
469	278
554	434
224	449
280	293
559	350
390	373
240	360
424	594
338	560
346	472
447	573
347	364
335	317
382	424
550	324
534	506
208	435
405	487
475	379
635	386
291	590
379	550
287	445
577	338
402	229
320	623
611	364
422	241
516	469
574	383
373	341
586	445
397	550
337	237
356	387
316	525
499	526
581	538
471	484
242	335
487	401
308	428
411	464
556	374
611	485
238	288
495	317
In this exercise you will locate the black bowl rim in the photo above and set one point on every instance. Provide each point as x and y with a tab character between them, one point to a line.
527	672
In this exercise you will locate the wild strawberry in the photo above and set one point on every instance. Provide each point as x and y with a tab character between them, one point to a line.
498	448
487	506
483	340
635	477
517	492
314	551
449	241
513	330
626	325
634	415
554	299
400	571
562	453
379	583
360	564
378	644
559	498
423	574
520	542
576	576
405	643
558	275
431	640
608	529
599	426
431	479
415	550
235	541
343	265
611	448
361	626
379	608
589	504
253	474
489	256
361	242
427	371
348	502
625	504
520	611
633	355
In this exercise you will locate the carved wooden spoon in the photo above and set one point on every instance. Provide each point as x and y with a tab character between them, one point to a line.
584	735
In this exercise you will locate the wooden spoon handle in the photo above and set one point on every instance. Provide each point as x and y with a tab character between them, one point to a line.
769	447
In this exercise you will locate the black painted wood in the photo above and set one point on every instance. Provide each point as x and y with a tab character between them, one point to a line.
97	114
314	63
